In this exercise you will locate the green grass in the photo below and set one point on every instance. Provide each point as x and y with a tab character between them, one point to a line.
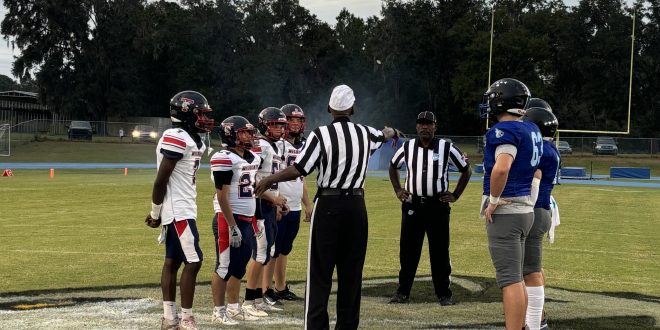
81	235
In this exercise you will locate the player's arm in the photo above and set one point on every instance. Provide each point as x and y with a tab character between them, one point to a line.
536	183
498	178
222	180
159	190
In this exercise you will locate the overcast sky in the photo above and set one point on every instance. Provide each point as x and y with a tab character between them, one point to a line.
326	10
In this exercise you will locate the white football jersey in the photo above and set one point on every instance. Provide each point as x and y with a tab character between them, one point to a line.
181	197
291	190
271	160
241	188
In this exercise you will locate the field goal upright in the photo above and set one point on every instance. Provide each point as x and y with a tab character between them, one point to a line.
5	140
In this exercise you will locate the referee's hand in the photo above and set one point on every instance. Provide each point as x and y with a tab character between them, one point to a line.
262	186
403	195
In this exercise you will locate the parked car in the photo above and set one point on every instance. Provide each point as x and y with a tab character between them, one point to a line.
605	145
144	133
80	130
564	148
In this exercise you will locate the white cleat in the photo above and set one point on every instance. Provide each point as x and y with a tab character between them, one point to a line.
266	307
223	319
166	324
240	315
188	324
251	309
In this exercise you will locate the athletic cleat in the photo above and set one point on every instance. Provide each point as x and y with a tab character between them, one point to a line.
286	294
447	301
166	324
188	324
271	298
399	298
266	307
544	324
223	319
240	315
251	309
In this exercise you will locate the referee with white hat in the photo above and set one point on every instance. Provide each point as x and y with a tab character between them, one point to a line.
338	233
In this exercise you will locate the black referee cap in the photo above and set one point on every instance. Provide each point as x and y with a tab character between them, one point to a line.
426	116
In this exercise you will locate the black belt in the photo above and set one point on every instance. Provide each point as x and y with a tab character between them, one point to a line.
426	200
340	192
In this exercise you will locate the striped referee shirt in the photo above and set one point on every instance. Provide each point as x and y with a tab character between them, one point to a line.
340	152
427	167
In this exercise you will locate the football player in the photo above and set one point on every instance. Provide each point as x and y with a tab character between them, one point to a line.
234	173
272	122
295	192
174	203
544	180
511	155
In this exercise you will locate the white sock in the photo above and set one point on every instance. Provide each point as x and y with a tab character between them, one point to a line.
535	299
235	306
218	310
186	313
169	310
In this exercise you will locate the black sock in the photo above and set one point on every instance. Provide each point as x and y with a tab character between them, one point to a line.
250	294
258	293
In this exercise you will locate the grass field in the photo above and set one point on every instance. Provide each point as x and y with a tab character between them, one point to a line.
77	246
96	152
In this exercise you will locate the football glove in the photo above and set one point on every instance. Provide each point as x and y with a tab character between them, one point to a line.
235	236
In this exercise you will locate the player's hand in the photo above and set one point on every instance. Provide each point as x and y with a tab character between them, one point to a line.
235	236
308	214
447	197
403	195
278	214
488	213
285	209
151	222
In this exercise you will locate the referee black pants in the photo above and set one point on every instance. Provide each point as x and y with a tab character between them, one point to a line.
338	238
418	219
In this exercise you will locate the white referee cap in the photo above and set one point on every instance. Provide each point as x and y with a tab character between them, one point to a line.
342	98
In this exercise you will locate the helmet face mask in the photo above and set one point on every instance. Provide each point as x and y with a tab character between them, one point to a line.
237	132
295	117
506	96
189	108
272	123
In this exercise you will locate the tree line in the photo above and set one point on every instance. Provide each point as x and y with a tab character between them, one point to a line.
101	59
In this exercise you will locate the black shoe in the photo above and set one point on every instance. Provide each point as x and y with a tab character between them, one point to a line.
544	323
399	298
286	294
271	298
447	301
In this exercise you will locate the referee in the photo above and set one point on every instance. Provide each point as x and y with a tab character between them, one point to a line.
425	207
338	233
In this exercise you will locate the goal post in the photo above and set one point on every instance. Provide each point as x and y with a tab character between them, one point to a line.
5	140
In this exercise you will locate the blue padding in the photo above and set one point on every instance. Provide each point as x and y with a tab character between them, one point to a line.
380	160
574	172
479	168
630	172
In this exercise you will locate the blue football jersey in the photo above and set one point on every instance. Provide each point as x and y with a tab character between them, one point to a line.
549	167
527	139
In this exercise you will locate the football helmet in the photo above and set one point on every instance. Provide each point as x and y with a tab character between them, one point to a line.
268	118
506	95
189	108
544	119
297	128
535	102
230	129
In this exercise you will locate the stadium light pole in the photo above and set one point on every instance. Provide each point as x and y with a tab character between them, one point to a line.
490	55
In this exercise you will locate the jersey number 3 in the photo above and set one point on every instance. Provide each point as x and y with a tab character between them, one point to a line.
537	148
